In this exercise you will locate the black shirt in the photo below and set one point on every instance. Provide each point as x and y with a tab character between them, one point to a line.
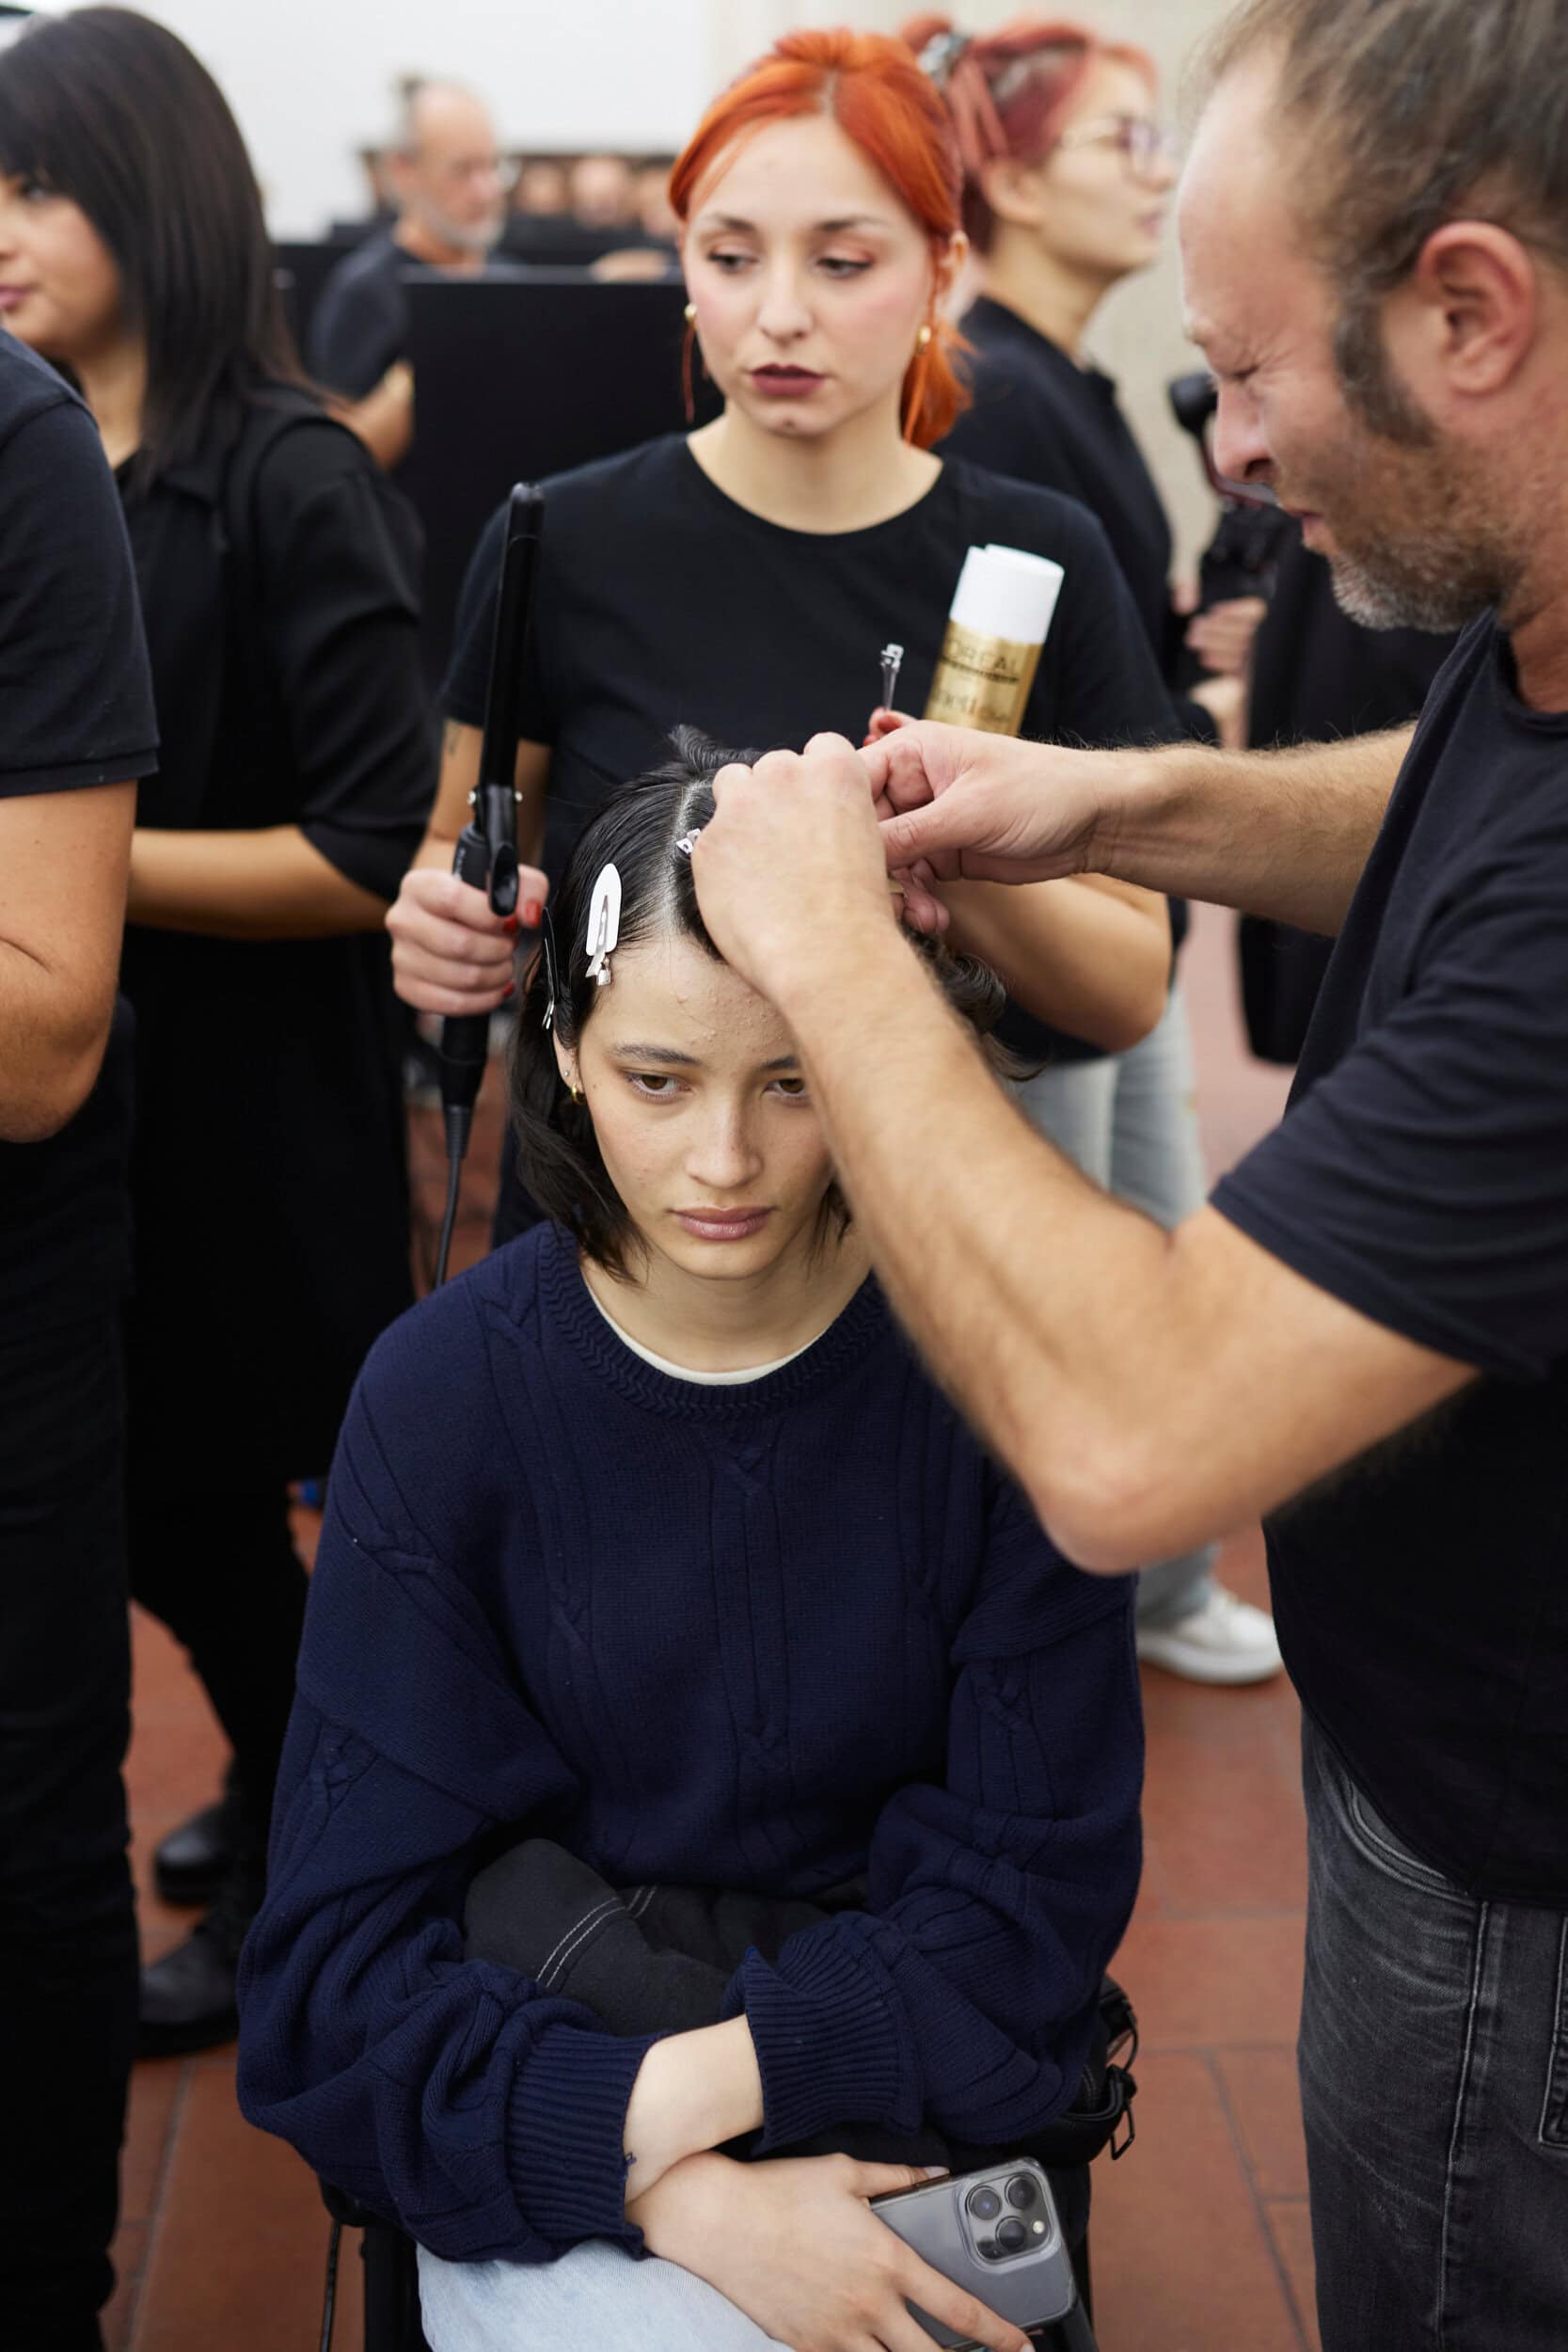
661	600
1422	1175
360	323
1316	674
277	572
77	711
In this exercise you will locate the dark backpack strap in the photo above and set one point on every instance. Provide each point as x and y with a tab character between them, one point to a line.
1105	2103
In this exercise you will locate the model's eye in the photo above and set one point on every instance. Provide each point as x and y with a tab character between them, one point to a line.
793	1090
728	260
652	1088
842	265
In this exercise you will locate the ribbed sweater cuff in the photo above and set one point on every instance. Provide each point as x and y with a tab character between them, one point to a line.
566	2133
829	2043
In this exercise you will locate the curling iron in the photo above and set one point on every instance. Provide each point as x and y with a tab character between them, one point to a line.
487	846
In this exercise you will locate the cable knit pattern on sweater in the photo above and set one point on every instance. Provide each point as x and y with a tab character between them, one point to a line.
768	1637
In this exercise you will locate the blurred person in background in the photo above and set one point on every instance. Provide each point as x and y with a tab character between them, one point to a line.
76	727
450	182
276	573
1068	173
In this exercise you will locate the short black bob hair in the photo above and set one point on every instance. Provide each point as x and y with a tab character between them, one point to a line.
114	112
558	1153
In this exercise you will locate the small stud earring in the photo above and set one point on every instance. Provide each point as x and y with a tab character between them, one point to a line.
691	314
922	339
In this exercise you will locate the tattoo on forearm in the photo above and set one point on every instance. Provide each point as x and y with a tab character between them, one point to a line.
451	735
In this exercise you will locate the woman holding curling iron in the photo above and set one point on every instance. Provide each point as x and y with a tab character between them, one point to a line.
276	575
748	574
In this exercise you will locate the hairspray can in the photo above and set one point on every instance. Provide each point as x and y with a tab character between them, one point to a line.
1000	615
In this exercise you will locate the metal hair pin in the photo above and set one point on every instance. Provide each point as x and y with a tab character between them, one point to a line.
604	924
687	842
891	659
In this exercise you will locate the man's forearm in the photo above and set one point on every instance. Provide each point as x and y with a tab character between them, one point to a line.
1036	1298
51	1047
268	885
1279	834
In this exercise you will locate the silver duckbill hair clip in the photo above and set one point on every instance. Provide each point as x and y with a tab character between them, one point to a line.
604	924
687	842
891	659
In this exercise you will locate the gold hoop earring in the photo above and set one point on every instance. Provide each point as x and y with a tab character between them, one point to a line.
577	1094
691	314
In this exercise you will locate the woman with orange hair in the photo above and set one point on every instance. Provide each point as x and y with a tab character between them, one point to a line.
747	576
1067	172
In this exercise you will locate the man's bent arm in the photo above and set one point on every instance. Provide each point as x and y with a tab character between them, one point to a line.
1285	833
63	862
1281	834
1150	1390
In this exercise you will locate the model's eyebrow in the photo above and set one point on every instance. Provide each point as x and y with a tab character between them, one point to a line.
667	1057
834	228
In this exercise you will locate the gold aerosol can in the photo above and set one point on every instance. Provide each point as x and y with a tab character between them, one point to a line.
1000	618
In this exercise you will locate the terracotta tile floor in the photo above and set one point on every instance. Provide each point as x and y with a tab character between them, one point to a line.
1201	2235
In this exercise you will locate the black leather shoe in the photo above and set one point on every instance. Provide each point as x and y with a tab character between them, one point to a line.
187	1998
190	1864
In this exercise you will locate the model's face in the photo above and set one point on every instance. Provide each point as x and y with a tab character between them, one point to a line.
1405	516
59	288
1101	195
810	278
701	1113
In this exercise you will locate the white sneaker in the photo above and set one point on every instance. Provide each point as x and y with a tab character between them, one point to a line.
1224	1640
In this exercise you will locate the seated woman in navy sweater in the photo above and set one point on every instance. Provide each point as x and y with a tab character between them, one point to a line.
649	1541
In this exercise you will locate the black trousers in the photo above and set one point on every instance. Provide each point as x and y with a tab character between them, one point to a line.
68	1947
221	1571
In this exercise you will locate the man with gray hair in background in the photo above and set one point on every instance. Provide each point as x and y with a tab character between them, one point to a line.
450	183
1364	1335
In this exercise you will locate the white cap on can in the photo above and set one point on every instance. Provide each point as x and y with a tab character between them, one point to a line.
1003	592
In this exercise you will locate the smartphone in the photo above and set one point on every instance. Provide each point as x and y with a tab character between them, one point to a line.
995	2234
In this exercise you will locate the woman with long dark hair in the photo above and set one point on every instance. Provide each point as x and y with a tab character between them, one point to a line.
654	1559
276	574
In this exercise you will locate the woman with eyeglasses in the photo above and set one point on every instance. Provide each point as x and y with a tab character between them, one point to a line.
1067	172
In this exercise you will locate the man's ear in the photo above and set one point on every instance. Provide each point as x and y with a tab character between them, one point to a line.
1467	316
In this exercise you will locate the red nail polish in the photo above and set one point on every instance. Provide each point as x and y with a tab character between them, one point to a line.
512	923
510	989
533	914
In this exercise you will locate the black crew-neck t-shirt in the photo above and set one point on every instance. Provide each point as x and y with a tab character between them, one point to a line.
1420	1174
76	711
661	600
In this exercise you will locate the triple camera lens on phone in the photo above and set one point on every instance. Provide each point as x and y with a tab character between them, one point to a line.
1013	2233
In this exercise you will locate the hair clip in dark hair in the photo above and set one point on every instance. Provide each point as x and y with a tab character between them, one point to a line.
687	842
942	53
604	924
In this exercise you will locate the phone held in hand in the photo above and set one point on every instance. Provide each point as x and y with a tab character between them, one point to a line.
995	2234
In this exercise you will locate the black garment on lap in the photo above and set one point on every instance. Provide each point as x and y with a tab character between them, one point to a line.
1420	1174
658	1960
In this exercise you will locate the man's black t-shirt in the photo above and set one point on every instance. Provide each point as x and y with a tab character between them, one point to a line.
1422	1175
360	324
76	710
660	600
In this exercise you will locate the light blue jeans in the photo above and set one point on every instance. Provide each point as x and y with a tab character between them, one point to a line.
1130	1121
598	2296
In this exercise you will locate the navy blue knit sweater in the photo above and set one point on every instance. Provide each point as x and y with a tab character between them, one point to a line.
769	1636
